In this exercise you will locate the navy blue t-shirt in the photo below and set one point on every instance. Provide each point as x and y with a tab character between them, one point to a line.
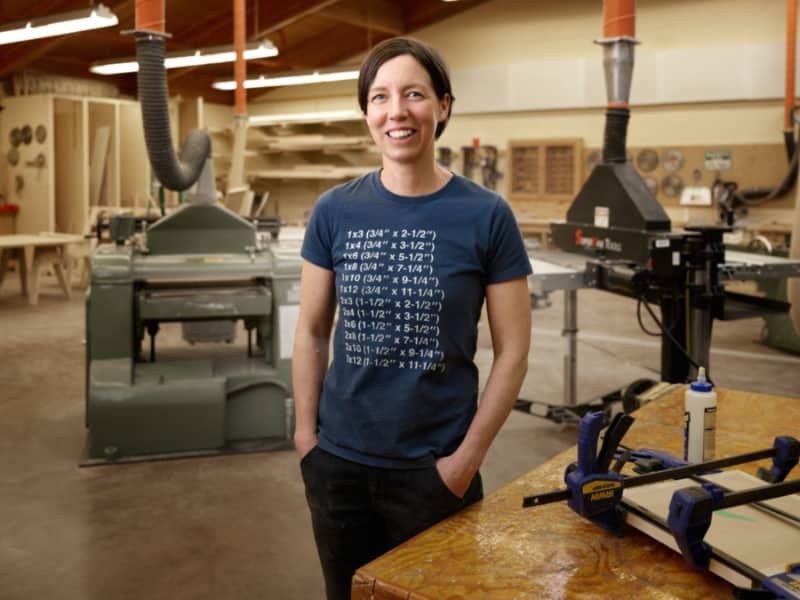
410	274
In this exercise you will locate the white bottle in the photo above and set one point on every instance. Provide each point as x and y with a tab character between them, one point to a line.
700	420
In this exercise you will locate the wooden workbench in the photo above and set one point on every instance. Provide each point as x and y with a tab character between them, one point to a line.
32	252
496	550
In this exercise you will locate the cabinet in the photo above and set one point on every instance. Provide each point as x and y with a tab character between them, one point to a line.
65	158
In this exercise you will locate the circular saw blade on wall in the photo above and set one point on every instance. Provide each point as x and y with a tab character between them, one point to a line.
672	186
647	160
672	160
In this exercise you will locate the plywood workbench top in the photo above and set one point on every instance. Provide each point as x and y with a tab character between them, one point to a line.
496	550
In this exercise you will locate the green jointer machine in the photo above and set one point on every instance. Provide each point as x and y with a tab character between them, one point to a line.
201	265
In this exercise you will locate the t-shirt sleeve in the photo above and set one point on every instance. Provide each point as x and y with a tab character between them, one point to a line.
318	239
507	256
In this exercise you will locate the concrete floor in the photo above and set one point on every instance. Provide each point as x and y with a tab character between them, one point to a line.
237	526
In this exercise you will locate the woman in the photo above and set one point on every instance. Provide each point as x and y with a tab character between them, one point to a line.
391	435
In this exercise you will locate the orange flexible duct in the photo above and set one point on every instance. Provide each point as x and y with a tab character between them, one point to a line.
239	70
619	30
791	52
619	18
150	15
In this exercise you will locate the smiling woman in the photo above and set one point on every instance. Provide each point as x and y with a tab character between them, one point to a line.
403	115
391	435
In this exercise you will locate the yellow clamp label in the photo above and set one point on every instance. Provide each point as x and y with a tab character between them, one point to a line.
601	489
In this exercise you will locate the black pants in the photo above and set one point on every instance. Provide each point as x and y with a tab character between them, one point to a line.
360	512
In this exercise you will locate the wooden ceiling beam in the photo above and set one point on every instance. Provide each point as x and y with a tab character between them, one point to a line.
36	9
329	47
376	15
292	15
205	32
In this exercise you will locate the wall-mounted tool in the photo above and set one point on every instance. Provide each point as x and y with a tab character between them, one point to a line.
488	162
672	160
647	160
483	157
40	133
27	134
39	162
444	156
469	160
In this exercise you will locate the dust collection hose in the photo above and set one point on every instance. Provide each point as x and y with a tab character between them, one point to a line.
616	133
618	41
173	173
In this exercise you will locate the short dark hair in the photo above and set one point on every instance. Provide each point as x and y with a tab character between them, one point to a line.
427	57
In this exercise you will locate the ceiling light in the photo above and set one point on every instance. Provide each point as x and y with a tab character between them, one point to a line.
305	117
59	24
189	58
291	79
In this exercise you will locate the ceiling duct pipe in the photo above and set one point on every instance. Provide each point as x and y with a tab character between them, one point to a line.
789	95
792	283
236	179
173	173
619	30
240	69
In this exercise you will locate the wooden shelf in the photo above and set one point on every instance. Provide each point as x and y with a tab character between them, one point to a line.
315	172
314	142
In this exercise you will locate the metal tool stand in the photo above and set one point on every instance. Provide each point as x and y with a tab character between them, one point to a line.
570	332
555	270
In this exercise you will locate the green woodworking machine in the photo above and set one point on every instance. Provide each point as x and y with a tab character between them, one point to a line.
202	263
201	266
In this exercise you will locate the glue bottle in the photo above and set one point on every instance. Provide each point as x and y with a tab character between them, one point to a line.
700	420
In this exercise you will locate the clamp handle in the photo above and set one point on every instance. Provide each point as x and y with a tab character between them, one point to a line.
588	436
690	512
787	455
595	494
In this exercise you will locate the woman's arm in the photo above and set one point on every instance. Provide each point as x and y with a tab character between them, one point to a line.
310	354
509	310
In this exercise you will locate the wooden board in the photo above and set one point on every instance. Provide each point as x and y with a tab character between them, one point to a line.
772	542
70	151
97	167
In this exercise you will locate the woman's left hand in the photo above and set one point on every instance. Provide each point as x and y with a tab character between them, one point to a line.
456	474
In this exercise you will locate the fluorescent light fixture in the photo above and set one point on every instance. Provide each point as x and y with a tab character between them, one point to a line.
306	117
190	58
59	24
290	79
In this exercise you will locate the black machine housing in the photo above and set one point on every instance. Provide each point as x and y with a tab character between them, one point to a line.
617	221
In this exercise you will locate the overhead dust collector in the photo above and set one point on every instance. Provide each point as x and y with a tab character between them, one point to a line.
618	222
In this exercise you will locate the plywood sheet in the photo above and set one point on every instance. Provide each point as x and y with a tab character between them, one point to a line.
747	534
97	168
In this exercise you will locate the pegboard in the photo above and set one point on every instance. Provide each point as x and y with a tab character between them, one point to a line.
751	165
